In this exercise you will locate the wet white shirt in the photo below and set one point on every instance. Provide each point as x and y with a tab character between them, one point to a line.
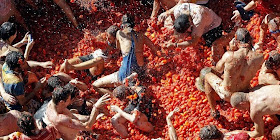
203	18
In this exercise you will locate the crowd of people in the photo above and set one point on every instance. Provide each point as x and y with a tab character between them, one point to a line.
62	114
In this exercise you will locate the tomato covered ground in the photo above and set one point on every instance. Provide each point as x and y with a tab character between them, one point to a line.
171	78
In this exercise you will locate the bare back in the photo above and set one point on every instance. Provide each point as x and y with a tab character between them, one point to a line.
8	123
265	100
241	66
124	41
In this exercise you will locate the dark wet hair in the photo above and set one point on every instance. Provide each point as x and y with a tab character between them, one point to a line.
53	82
112	30
273	61
121	92
243	35
128	20
237	98
7	30
12	59
26	123
182	23
59	94
69	88
210	132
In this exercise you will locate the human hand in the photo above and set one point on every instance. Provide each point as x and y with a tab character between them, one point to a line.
66	66
170	115
115	108
25	38
74	81
41	83
9	98
236	16
102	101
258	46
47	64
170	45
30	42
163	16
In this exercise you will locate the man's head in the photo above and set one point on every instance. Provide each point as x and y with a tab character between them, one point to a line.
274	27
242	36
61	96
273	62
210	132
111	34
14	60
128	21
69	88
121	92
240	101
182	23
8	31
27	125
53	82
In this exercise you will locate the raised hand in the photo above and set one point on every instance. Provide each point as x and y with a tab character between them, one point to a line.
102	101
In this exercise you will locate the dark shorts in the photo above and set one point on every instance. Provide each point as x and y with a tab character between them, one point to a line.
213	35
87	58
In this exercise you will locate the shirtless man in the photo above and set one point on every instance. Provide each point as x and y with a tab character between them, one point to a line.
93	63
69	124
197	21
270	71
8	9
212	132
271	22
30	131
238	67
260	101
8	123
134	112
168	4
131	45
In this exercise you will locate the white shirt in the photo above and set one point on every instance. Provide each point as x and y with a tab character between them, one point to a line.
203	18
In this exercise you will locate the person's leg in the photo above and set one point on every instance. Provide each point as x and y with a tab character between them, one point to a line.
108	81
212	82
143	124
67	10
118	123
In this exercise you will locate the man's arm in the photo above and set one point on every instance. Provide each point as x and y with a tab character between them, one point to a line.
22	42
67	78
130	117
68	121
171	130
150	44
188	43
221	63
31	64
156	7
